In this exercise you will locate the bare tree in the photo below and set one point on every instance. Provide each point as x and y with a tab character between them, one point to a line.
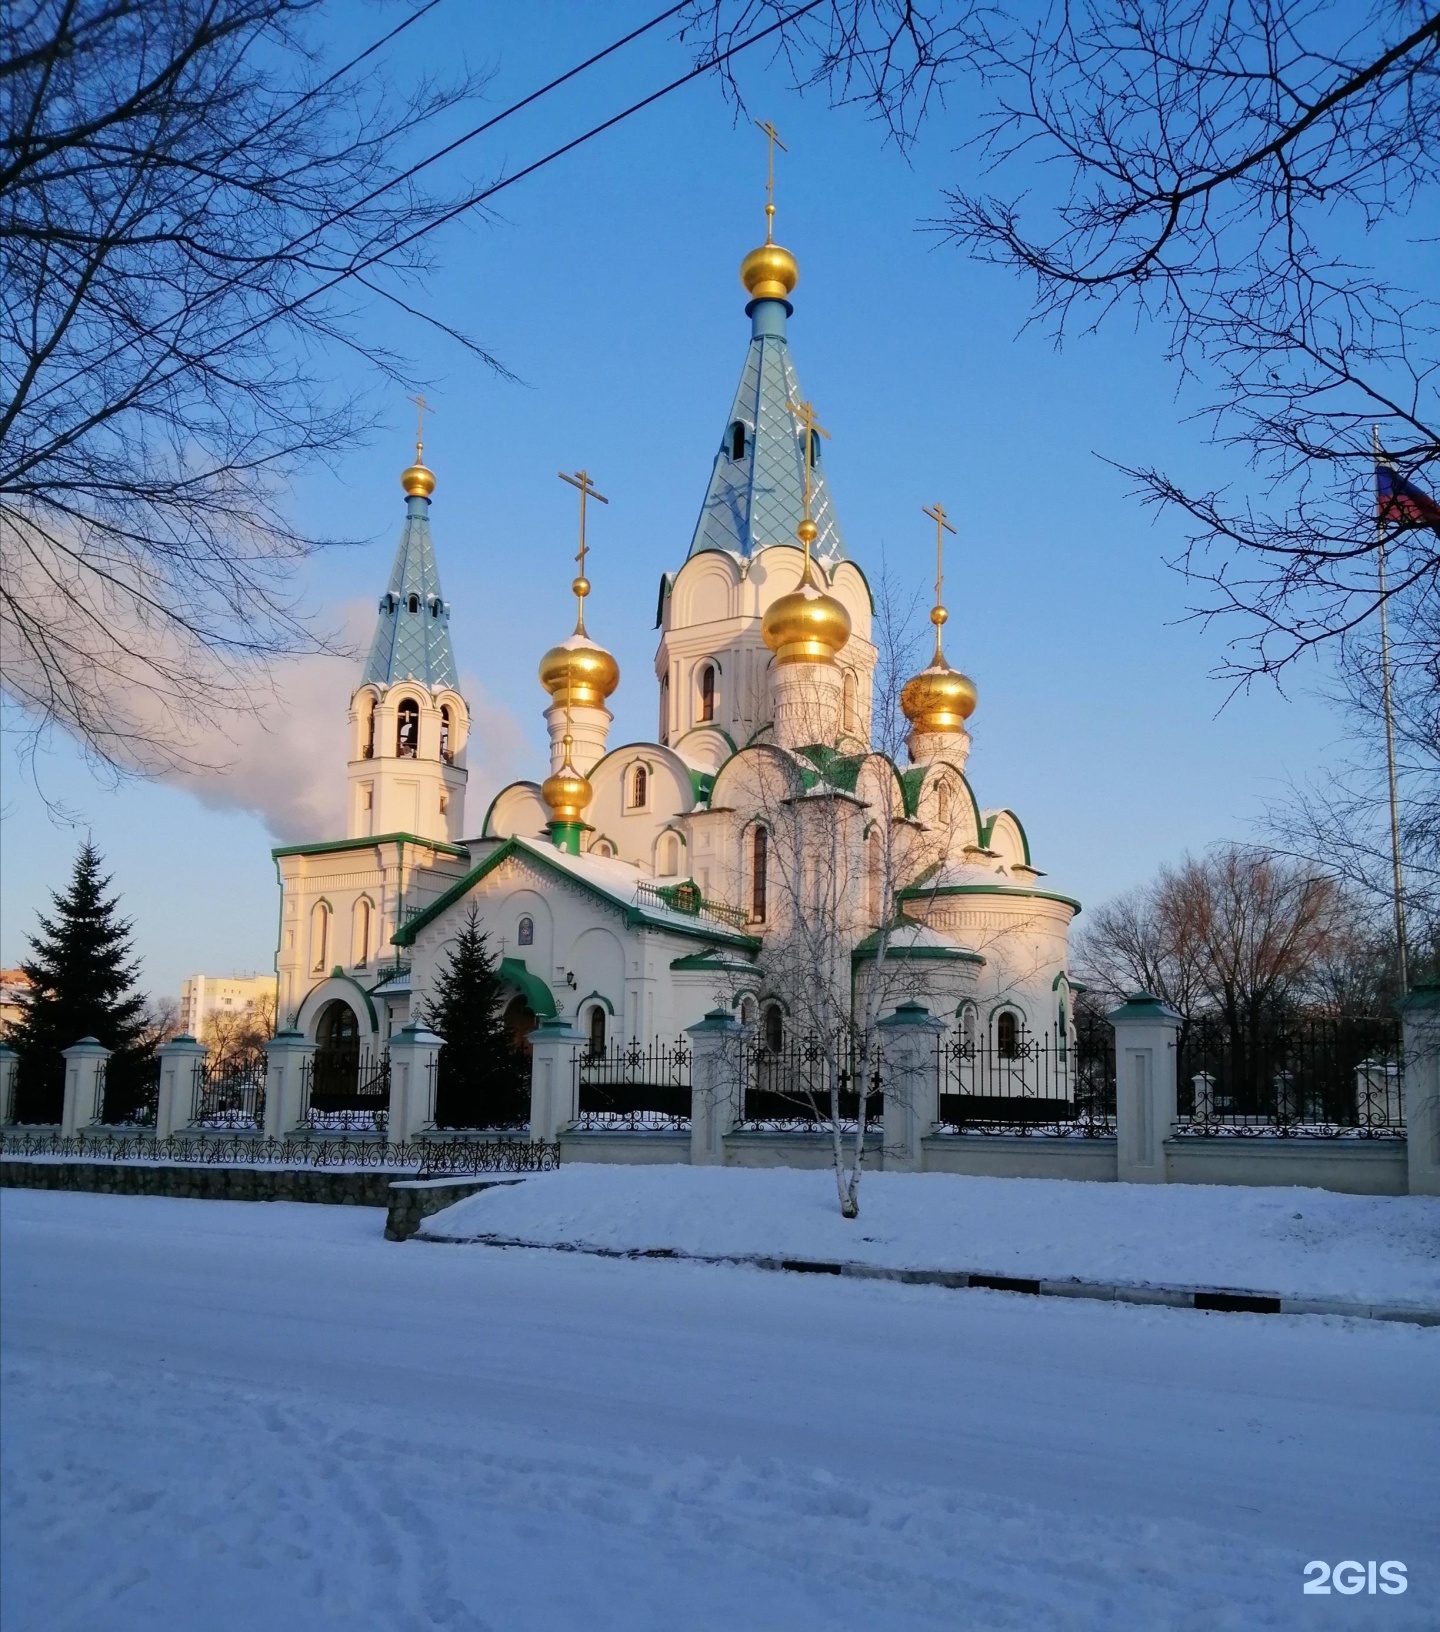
195	209
237	1037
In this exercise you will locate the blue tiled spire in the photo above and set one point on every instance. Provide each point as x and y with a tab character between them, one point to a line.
413	644
759	498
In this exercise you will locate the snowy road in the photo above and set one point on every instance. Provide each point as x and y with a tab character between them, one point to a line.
220	1415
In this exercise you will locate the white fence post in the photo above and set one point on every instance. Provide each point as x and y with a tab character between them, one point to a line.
84	1082
414	1053
1420	1013
9	1059
1146	1068
286	1056
178	1061
552	1078
717	1064
908	1044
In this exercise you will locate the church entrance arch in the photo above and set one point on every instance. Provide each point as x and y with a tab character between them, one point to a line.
519	1023
335	1068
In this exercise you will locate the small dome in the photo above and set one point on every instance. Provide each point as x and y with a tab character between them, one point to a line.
769	273
939	699
805	626
579	672
418	480
566	793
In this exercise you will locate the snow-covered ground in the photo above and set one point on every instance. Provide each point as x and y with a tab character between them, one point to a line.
223	1416
1294	1243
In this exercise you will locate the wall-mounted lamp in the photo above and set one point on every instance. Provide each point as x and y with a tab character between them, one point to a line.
570	979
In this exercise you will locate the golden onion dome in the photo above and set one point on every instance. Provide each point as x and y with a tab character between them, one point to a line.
769	273
418	480
579	672
566	793
939	699
807	625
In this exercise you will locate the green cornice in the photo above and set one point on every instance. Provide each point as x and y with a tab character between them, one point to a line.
985	832
915	892
368	844
710	962
869	949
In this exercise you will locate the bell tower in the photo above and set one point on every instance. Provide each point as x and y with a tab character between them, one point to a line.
408	721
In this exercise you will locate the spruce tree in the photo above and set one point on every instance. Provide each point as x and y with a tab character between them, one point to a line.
483	1076
82	975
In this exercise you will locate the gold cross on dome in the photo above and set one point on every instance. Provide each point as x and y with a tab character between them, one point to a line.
581	586
421	409
804	414
773	138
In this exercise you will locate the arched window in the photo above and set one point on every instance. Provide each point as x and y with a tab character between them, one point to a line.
639	787
664	709
669	856
414	603
360	952
319	938
525	933
774	1028
367	745
1007	1035
337	1031
435	606
407	729
875	875
597	1032
850	701
747	1011
942	802
446	752
707	692
969	1025
737	440
814	448
759	867
602	847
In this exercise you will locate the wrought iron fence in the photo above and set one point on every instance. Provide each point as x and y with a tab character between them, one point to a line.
346	1091
1047	1083
686	898
428	1158
37	1094
1321	1076
792	1087
229	1094
633	1085
129	1091
479	1093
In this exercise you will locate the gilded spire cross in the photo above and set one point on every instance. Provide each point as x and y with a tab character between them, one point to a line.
421	409
804	416
581	586
938	615
773	138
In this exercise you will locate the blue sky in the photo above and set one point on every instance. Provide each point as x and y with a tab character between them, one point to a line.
608	284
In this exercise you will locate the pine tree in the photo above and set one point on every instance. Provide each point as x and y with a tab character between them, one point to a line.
82	975
483	1076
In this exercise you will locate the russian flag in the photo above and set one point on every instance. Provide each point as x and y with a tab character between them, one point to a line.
1401	502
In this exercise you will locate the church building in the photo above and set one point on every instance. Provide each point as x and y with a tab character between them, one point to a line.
761	849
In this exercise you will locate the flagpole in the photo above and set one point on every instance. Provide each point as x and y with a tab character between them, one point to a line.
1390	737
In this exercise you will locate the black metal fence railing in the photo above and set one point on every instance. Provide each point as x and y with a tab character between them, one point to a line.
37	1094
229	1094
633	1086
346	1091
1323	1076
129	1094
794	1086
1046	1083
430	1158
686	898
477	1093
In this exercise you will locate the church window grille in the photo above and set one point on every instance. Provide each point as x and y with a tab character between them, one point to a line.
597	1032
407	729
1007	1035
525	934
639	787
737	440
759	868
774	1028
447	753
707	692
319	937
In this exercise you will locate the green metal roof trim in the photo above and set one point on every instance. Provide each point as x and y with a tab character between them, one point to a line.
365	844
840	770
485	832
914	890
870	948
634	916
911	782
989	828
709	961
534	990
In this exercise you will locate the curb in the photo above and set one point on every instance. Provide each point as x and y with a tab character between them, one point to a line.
1209	1299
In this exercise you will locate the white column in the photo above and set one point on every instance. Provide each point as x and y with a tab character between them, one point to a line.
552	1078
807	703
1146	1034
286	1056
84	1082
1421	1015
908	1041
9	1059
414	1051
178	1061
718	1061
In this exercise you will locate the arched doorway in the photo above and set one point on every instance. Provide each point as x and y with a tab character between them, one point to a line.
335	1069
519	1023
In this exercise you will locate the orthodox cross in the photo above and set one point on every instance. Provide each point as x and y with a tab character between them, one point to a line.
581	586
421	409
942	526
773	138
